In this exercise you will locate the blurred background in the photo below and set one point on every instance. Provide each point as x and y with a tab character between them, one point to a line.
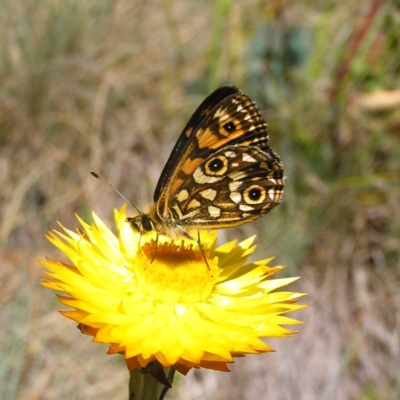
109	85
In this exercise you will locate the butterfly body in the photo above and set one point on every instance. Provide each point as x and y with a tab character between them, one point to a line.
221	173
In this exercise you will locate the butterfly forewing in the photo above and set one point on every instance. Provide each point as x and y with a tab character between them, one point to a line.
236	120
197	120
232	120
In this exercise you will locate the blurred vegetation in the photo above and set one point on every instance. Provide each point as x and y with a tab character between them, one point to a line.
108	85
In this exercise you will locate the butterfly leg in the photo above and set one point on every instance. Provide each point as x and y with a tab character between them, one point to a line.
199	244
140	240
155	251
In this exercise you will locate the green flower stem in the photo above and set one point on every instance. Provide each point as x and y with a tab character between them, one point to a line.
143	386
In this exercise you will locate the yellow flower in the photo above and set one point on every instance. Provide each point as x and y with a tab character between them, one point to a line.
162	301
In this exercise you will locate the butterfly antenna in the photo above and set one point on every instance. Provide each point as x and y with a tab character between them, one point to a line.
97	176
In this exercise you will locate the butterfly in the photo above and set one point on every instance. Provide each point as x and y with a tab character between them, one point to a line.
221	173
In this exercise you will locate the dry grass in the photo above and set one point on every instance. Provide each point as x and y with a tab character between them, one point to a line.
108	86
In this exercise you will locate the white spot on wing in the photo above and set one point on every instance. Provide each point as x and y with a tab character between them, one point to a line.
247	117
208	194
219	113
194	204
215	212
233	186
199	177
183	195
236	197
246	157
244	207
222	114
271	194
229	154
223	118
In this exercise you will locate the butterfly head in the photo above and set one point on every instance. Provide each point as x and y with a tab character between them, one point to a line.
146	222
140	223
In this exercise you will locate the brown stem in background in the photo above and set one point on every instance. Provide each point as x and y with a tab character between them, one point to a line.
354	45
341	75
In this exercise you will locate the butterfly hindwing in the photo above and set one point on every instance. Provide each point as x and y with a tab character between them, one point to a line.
233	186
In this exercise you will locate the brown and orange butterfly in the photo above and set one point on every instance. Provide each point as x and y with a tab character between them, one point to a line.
221	173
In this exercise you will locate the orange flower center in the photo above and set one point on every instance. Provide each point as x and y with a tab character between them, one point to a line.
177	274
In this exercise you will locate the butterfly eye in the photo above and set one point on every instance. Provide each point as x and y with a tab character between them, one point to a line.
216	166
147	224
230	127
254	195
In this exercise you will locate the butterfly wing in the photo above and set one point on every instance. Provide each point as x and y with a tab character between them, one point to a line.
196	121
226	118
235	185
